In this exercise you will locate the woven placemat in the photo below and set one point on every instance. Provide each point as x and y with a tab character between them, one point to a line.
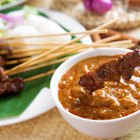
49	126
129	18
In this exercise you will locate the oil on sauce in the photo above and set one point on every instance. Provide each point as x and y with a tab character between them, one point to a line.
115	100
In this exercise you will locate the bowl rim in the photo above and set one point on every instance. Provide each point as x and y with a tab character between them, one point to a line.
58	103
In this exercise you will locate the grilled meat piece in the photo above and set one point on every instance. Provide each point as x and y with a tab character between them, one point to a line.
9	85
8	49
111	71
2	61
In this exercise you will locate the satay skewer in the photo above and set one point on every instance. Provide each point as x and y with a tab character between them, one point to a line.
39	51
17	61
89	32
39	76
52	71
109	39
53	61
114	70
52	56
28	63
43	65
96	37
122	44
45	48
49	45
123	36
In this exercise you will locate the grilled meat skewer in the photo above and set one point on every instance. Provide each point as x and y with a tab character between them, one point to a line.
10	85
111	71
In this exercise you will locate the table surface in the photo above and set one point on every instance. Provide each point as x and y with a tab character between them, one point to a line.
51	125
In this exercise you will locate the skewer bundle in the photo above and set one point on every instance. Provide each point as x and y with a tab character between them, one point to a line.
27	59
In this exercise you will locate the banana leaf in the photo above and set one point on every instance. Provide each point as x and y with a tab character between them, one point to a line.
14	105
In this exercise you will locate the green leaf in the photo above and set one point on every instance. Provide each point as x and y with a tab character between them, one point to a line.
15	104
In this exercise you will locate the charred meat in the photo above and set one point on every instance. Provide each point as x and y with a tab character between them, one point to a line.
10	85
111	71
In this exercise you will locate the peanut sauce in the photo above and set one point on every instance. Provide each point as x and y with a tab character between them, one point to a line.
115	100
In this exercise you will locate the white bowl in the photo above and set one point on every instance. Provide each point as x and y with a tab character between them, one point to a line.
98	128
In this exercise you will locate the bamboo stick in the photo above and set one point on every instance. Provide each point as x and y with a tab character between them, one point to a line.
17	45
39	51
122	36
96	37
58	34
128	46
13	62
24	50
43	65
17	61
51	56
29	54
120	44
39	76
79	50
109	39
46	48
56	48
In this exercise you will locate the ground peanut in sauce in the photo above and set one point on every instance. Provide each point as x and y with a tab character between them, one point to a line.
115	100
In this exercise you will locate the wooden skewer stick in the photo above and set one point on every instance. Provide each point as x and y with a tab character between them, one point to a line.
39	76
54	35
32	52
29	51
122	35
17	61
57	61
120	44
17	45
109	39
29	54
96	37
16	50
57	48
85	47
43	65
39	51
51	56
129	46
61	53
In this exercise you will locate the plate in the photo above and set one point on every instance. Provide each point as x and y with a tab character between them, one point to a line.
44	102
12	4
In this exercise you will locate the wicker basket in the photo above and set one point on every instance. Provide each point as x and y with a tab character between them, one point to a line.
129	18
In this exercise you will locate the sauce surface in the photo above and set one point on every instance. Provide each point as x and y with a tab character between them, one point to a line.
115	100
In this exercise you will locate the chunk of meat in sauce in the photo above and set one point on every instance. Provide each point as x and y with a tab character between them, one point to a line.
114	100
111	71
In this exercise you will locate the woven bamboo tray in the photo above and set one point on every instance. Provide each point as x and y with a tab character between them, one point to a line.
129	17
